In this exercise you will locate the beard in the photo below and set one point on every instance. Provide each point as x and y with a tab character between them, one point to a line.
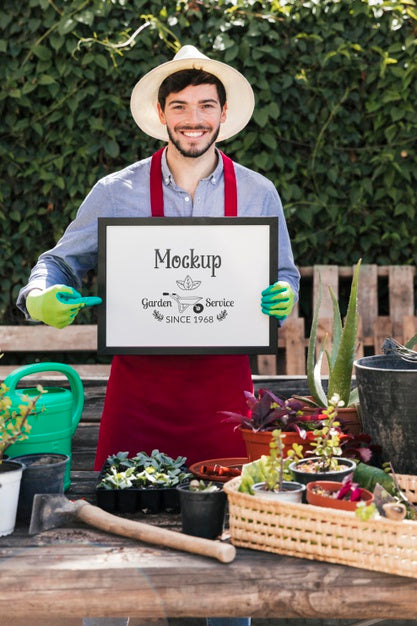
193	153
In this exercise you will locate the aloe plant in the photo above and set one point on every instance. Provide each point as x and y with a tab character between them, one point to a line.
340	359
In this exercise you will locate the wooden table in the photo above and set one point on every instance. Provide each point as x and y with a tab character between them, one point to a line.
77	571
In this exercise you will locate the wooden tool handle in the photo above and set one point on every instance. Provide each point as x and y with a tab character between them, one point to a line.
94	516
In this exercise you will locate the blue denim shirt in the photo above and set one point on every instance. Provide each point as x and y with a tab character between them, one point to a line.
127	194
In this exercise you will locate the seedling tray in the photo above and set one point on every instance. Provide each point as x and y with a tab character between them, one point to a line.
132	500
137	499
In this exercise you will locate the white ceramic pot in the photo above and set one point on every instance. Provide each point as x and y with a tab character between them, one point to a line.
292	492
10	477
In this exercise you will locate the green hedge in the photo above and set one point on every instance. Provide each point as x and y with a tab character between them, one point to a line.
335	125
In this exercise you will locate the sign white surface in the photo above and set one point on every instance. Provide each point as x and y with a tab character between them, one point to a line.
186	285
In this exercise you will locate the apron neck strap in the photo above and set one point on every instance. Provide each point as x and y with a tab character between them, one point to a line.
157	195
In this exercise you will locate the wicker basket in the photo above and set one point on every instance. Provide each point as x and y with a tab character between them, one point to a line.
324	534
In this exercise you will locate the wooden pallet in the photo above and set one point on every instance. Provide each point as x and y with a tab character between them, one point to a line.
391	284
390	288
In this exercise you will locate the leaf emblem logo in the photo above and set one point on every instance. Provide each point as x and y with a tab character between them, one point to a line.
188	284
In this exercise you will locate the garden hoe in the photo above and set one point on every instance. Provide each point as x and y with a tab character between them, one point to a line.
53	510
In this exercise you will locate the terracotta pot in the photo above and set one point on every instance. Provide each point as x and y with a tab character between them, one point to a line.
257	442
349	417
327	501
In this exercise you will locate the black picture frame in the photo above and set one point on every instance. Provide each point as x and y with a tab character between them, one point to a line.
245	248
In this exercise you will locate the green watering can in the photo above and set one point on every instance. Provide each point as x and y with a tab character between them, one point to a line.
57	412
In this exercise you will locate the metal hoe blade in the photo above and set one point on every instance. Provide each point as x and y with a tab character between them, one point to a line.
50	511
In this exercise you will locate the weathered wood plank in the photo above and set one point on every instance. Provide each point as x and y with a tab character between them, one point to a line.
267	364
401	296
294	337
382	329
328	276
98	575
92	369
368	297
43	338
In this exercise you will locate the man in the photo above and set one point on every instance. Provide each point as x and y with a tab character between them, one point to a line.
155	401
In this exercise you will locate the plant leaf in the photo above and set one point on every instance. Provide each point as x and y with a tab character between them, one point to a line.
340	378
411	342
314	381
317	377
353	397
337	329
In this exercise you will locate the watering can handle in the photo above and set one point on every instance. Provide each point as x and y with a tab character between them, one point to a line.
75	381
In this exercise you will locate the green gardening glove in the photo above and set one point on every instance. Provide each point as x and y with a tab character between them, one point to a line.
278	300
58	305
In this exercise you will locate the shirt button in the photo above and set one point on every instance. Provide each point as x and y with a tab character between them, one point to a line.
213	181
187	199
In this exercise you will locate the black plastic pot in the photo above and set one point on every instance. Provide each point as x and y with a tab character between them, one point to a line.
337	475
387	388
202	512
43	473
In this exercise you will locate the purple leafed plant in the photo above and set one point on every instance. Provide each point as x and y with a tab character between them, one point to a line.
349	490
268	412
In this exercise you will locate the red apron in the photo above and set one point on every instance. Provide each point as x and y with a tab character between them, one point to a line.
172	402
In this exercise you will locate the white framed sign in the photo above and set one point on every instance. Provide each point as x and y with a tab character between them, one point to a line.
186	285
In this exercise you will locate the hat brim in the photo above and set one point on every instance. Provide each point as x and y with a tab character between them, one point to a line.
239	96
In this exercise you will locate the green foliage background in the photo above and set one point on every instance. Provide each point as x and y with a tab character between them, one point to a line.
335	125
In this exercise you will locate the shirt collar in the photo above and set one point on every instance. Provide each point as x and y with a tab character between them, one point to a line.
214	177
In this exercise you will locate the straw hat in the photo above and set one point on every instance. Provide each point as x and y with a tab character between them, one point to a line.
239	94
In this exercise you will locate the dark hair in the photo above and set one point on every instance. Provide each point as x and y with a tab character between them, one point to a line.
180	80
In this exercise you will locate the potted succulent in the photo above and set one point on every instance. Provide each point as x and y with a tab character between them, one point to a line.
327	462
269	412
278	484
203	506
340	360
344	496
13	427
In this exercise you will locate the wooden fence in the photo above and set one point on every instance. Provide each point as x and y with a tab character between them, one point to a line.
387	288
386	305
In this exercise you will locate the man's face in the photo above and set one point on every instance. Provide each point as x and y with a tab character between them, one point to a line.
193	117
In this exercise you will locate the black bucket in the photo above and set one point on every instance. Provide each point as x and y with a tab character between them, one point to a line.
387	388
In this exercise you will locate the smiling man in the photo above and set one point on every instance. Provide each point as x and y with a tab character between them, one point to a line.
193	116
171	402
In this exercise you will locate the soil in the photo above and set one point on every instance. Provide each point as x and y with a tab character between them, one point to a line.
45	460
310	467
329	494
